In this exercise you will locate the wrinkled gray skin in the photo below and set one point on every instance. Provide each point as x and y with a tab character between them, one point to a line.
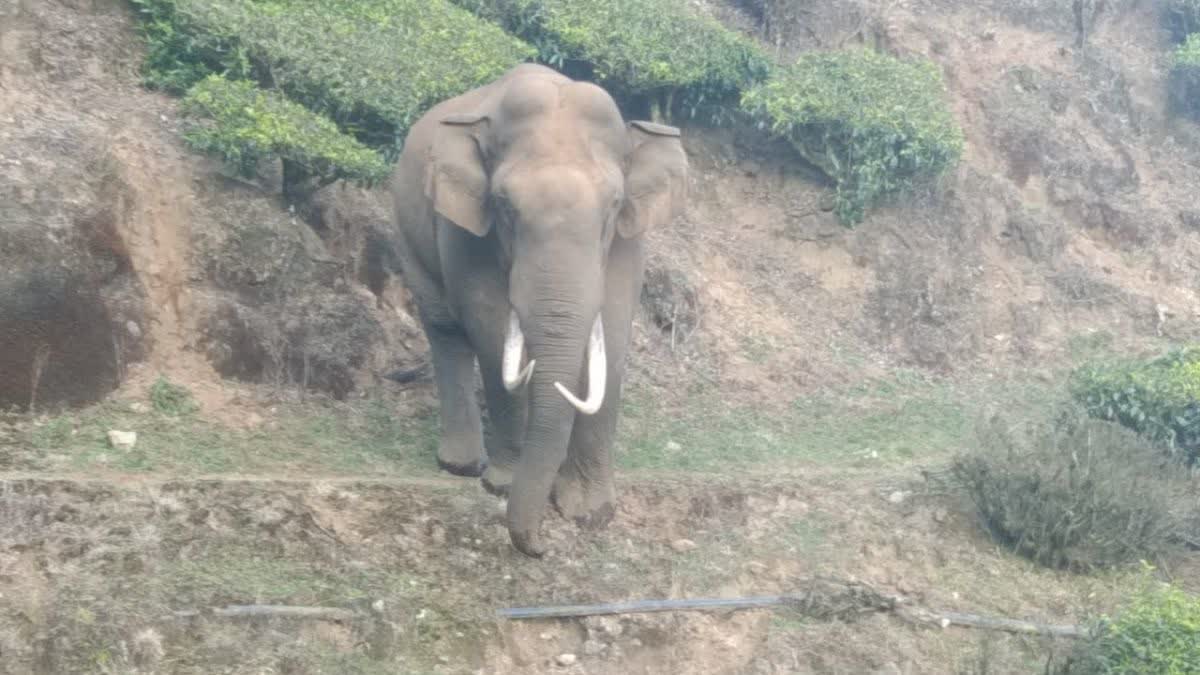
531	194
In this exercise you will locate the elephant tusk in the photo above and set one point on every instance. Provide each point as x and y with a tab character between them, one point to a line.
514	348
597	373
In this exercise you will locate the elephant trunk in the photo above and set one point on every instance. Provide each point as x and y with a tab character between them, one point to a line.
559	343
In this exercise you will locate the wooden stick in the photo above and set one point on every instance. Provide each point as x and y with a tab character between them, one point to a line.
273	611
912	614
642	606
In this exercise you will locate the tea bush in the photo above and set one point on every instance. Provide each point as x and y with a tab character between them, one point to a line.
637	47
1159	398
373	66
1184	83
1075	493
873	123
243	124
1182	17
1158	634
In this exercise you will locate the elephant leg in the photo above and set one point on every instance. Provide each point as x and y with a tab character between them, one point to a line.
583	490
460	448
507	415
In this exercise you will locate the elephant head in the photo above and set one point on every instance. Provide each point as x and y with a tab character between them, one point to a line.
547	169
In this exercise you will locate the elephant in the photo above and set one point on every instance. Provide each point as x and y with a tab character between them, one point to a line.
520	210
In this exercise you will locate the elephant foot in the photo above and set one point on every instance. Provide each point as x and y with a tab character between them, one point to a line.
496	480
461	461
589	506
528	543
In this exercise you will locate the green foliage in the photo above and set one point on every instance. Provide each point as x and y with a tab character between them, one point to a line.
873	123
373	66
1075	492
179	53
636	47
1182	17
242	124
1184	83
1158	634
1159	398
171	399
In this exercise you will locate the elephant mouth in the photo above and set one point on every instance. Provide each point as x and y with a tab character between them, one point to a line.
515	377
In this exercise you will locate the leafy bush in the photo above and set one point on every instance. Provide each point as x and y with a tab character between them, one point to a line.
373	66
171	399
242	123
873	123
1075	493
636	47
1184	84
1158	634
1159	398
1182	17
179	53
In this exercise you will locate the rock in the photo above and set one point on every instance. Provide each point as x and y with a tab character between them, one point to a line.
546	636
897	497
672	446
122	440
139	407
566	659
683	545
940	515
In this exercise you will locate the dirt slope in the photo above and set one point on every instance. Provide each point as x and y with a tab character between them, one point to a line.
123	256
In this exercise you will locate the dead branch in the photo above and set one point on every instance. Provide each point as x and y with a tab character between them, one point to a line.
271	612
824	599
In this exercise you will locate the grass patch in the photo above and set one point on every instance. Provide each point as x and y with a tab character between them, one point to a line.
319	437
894	419
171	399
875	124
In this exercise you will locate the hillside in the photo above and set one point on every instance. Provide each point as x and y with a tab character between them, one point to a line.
774	341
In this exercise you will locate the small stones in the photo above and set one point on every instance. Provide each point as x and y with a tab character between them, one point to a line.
897	497
592	647
122	440
566	659
683	545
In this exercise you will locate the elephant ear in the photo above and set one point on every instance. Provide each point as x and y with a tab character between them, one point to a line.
656	180
455	179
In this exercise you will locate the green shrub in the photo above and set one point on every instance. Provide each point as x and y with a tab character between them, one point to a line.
1158	634
873	123
1075	493
1159	398
171	399
373	66
1182	18
1184	83
243	124
179	53
636	47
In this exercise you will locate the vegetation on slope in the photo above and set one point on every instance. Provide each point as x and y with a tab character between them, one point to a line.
1074	492
1158	634
241	123
1184	83
1158	398
636	47
873	123
373	66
